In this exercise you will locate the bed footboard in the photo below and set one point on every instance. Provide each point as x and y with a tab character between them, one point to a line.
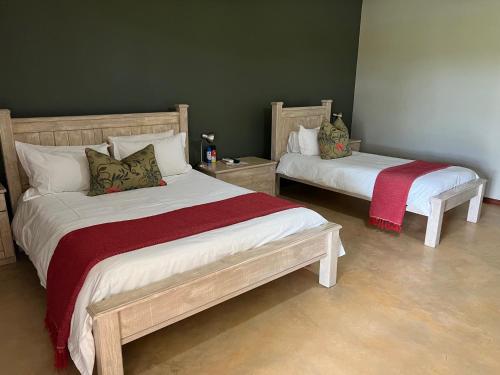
472	191
127	316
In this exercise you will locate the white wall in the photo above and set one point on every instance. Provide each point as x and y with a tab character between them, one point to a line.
428	82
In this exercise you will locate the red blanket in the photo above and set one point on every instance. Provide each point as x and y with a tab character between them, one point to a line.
390	192
78	251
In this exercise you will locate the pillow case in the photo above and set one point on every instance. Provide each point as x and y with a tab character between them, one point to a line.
333	140
112	140
140	137
149	137
136	171
169	153
293	143
308	141
55	169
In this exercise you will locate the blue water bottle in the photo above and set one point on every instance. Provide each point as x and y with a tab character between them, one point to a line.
208	154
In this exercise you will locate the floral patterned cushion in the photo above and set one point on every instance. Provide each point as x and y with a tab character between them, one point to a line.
136	171
333	140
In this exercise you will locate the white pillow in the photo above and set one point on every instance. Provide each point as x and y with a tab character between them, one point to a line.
293	143
138	137
113	141
169	153
308	141
55	169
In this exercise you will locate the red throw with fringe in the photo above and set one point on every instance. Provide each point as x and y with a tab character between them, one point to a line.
390	192
78	251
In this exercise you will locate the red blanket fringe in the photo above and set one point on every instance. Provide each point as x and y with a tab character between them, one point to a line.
385	225
61	355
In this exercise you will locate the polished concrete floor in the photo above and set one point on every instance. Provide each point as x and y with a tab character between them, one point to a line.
398	308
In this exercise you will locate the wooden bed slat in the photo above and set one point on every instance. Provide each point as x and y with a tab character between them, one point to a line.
75	138
304	111
61	138
26	125
88	137
47	139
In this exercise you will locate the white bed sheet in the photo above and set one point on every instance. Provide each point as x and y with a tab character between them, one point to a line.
357	174
40	223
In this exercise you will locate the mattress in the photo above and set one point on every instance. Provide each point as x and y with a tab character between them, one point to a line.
356	174
40	223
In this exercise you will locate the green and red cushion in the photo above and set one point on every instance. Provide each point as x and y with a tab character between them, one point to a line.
136	171
333	140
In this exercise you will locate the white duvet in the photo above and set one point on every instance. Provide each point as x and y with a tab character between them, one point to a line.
357	173
40	223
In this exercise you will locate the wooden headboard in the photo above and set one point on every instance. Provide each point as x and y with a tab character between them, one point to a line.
286	120
76	131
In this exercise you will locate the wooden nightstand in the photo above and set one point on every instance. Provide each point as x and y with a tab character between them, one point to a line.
7	254
355	144
252	173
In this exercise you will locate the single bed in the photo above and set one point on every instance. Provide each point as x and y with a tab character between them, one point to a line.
132	294
430	195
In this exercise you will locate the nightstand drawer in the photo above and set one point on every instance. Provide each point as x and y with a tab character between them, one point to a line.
259	179
252	173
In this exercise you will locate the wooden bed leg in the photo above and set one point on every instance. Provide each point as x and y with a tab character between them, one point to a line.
277	185
475	205
108	346
434	222
328	265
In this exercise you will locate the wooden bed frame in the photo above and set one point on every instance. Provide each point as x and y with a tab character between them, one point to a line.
127	316
285	120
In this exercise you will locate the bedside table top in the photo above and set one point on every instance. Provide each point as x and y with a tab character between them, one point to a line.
248	162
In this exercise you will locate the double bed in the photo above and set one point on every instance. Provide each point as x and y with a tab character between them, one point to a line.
430	195
129	295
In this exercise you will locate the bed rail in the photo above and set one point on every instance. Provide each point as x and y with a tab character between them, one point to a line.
131	315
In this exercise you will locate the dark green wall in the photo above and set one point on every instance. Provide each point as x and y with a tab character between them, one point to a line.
227	59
